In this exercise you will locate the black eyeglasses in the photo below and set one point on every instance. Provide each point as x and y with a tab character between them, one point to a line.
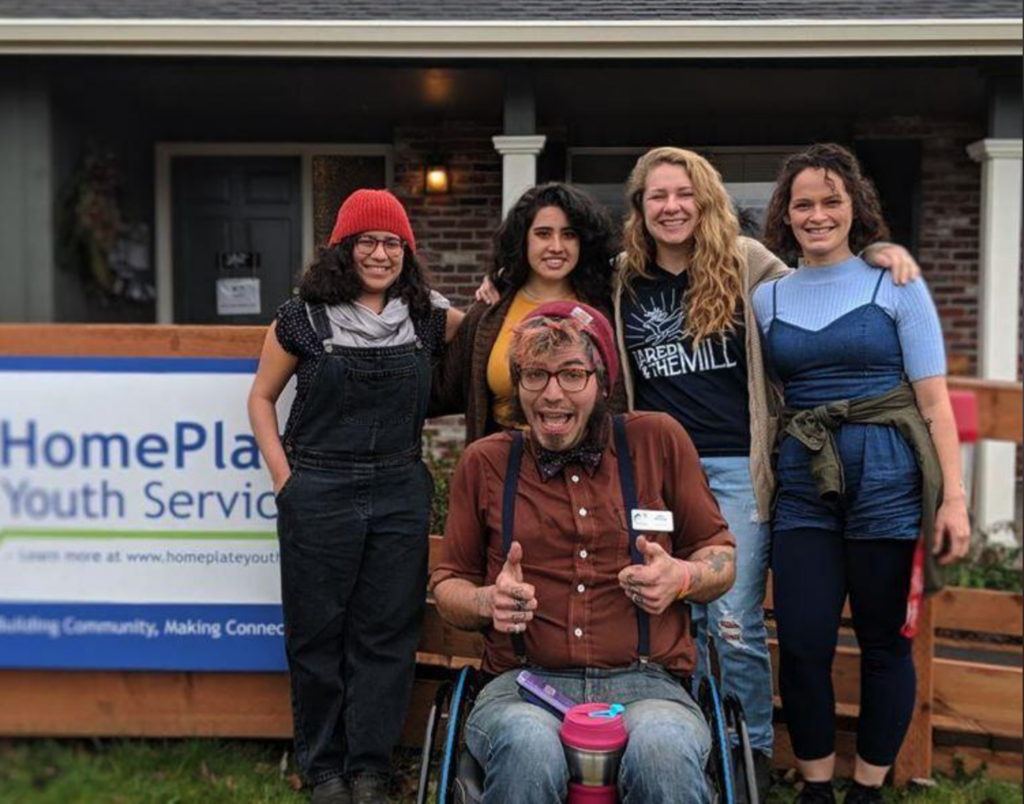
367	244
570	380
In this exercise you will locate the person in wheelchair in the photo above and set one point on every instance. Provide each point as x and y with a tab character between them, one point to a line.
542	555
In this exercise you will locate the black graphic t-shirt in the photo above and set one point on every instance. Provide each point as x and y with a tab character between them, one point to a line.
705	388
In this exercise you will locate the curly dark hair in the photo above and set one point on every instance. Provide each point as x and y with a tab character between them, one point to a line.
591	280
332	279
838	163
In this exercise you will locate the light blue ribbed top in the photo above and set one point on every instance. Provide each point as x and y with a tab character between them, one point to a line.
813	298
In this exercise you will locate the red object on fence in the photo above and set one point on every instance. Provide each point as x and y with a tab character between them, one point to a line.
965	411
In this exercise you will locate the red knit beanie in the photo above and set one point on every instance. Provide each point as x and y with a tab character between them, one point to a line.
593	322
369	211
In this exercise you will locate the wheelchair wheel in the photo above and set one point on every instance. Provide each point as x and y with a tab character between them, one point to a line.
441	700
746	772
720	770
458	711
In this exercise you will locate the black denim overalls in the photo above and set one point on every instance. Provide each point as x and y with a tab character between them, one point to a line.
353	522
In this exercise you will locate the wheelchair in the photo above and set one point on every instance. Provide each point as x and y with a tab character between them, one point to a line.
449	768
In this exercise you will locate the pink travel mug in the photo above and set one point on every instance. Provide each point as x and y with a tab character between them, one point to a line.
594	738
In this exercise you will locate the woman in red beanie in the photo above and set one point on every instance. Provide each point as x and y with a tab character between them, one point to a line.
354	497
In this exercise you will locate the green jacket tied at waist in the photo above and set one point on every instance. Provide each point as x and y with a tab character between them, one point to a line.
896	408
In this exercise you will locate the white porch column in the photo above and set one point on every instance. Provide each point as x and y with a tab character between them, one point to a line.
519	165
998	311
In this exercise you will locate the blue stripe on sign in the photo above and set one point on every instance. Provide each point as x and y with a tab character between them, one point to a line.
104	636
131	365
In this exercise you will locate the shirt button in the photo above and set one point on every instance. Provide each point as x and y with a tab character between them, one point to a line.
583	512
581	589
579	633
575	478
584	554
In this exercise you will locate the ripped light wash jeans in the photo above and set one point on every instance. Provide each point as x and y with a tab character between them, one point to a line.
736	620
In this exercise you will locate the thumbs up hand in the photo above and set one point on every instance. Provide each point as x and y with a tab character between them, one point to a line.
513	601
660	582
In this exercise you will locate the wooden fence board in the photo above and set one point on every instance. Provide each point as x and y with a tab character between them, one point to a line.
983	698
76	340
1000	408
915	757
980	611
105	704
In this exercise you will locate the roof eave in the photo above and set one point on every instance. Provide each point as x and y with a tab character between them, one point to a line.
516	39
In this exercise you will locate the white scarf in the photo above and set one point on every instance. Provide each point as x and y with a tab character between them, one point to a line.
353	324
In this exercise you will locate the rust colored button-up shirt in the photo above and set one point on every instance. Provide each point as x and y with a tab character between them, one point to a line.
575	543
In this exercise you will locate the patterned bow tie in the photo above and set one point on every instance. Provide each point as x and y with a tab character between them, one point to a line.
588	453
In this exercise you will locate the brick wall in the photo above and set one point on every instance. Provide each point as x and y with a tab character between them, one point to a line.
950	217
453	232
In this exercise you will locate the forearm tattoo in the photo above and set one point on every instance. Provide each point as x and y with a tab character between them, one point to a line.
721	559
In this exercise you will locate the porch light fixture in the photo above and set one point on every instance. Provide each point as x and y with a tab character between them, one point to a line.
437	177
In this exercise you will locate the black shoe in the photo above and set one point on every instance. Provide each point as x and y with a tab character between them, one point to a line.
762	775
333	791
817	793
860	794
370	788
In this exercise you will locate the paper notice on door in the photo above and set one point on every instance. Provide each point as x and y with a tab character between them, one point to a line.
238	296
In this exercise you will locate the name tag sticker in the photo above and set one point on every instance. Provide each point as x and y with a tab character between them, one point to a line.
656	521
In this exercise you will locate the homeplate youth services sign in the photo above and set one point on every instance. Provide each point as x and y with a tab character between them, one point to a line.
137	522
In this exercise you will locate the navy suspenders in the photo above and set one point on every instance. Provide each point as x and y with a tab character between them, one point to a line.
632	503
629	498
508	519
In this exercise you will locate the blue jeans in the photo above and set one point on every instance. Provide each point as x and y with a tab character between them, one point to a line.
517	742
736	620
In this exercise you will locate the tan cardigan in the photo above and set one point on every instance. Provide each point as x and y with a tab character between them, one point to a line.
760	265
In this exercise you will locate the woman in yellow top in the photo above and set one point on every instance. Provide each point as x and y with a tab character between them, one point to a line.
556	243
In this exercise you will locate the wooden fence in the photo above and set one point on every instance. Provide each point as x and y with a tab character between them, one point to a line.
968	656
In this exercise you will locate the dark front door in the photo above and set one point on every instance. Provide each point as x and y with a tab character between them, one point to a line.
237	237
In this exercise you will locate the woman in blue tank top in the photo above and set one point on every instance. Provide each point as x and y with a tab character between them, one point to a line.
838	330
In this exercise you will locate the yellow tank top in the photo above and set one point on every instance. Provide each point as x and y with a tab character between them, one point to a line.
499	375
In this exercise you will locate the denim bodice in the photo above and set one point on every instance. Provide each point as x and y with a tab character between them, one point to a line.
857	355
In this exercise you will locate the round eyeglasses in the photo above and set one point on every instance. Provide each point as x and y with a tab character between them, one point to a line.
367	244
570	380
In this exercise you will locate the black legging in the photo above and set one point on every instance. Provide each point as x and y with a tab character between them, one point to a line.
813	570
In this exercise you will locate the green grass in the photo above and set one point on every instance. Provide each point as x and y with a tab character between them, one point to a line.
250	772
144	772
974	789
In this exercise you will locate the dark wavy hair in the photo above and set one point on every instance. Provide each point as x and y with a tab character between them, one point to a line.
591	280
332	279
838	163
